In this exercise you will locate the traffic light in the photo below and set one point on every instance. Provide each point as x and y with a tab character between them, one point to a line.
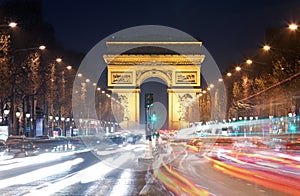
292	127
153	118
148	100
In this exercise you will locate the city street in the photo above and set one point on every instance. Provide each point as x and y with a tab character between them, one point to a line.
67	174
222	171
103	167
71	172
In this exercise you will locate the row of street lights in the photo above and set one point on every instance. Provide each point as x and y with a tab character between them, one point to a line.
9	108
266	48
106	105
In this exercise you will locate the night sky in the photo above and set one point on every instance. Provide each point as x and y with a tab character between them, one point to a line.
230	30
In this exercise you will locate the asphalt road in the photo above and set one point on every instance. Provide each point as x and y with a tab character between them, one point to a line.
190	172
101	167
68	168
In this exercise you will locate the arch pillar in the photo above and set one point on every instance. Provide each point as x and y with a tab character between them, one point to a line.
179	101
130	101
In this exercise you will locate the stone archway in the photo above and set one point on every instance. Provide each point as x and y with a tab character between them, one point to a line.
181	73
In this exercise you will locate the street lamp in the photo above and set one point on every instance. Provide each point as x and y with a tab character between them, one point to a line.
18	114
6	112
27	115
58	60
266	48
293	27
12	24
249	62
42	47
238	68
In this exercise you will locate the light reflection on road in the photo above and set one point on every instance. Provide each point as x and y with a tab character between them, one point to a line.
276	171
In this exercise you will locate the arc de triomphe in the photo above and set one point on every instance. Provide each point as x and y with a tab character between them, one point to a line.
180	72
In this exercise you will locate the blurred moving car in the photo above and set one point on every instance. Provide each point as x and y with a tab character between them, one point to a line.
118	139
194	145
293	145
260	144
224	141
132	139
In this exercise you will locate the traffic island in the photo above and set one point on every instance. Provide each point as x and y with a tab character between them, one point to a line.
145	160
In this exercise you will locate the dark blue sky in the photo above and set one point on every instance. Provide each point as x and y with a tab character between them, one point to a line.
230	30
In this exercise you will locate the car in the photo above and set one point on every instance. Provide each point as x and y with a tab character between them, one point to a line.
194	145
134	138
118	139
224	142
293	145
260	144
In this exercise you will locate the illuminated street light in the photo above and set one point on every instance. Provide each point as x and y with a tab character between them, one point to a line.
42	47
229	74
266	47
58	60
12	24
220	79
18	113
293	27
27	114
57	118
6	110
238	68
249	61
69	67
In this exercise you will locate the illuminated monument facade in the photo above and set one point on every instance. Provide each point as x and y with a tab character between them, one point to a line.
180	72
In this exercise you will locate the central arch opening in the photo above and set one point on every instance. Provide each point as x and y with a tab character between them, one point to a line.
158	88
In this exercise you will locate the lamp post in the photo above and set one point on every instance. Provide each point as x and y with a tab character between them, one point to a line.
27	125
57	121
67	125
18	114
50	125
62	119
6	112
